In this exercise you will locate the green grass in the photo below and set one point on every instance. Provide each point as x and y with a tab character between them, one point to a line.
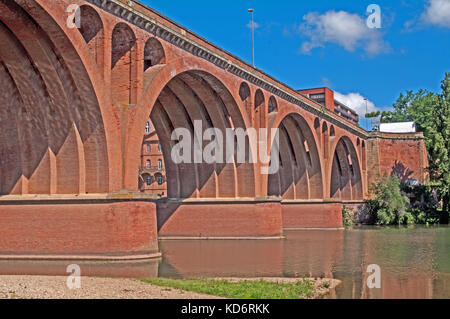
241	290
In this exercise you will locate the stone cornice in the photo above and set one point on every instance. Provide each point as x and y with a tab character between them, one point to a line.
396	136
178	39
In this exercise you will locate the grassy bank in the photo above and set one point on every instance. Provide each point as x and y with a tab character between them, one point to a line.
260	289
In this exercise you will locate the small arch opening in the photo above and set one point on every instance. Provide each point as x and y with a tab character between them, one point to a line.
153	54
273	105
123	40
244	91
259	99
90	23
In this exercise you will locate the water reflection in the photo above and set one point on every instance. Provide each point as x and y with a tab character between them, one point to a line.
415	261
140	269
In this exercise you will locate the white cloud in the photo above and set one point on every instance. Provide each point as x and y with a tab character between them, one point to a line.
356	102
437	13
256	25
340	27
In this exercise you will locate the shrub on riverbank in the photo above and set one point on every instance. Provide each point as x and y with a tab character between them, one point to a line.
347	217
395	203
388	207
423	203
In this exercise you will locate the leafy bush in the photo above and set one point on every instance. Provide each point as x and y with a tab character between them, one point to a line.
389	205
347	217
424	203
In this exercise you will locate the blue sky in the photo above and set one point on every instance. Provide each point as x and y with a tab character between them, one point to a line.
315	43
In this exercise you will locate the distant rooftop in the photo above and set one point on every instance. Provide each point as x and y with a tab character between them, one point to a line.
325	96
402	127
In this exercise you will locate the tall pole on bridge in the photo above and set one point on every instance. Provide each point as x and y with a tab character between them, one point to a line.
252	11
367	111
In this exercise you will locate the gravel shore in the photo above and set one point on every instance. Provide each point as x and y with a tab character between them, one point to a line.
43	287
55	287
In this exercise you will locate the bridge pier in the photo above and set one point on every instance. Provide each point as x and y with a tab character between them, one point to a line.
299	214
87	228
220	219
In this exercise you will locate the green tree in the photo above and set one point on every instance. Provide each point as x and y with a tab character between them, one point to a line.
389	205
431	113
439	146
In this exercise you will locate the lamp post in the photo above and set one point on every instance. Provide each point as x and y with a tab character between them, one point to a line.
367	111
252	11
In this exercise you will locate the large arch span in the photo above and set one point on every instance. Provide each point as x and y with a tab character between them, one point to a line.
346	177
197	96
300	174
51	127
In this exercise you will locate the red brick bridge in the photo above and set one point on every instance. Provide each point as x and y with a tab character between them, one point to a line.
74	106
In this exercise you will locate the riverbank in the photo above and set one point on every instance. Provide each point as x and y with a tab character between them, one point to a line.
54	287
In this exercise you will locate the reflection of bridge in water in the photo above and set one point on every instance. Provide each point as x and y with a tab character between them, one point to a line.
75	106
416	267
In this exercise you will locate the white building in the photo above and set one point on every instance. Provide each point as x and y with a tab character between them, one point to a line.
403	127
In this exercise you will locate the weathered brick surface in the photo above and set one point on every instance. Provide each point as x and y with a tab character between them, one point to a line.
395	154
77	229
219	220
326	215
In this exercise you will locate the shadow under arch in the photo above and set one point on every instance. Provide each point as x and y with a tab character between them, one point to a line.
192	100
300	173
346	177
52	132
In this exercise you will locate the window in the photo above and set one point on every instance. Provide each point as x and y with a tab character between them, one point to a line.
160	180
148	180
159	148
149	148
149	164
147	128
160	164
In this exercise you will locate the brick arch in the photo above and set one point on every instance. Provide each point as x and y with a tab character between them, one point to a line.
123	68
300	174
161	75
325	140
346	176
273	105
52	123
245	96
93	32
190	96
154	53
259	113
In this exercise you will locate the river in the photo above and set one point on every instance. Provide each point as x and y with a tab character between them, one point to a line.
414	261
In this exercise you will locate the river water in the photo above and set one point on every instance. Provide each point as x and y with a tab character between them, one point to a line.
414	261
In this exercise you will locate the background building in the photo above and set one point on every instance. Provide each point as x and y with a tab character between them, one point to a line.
325	96
152	173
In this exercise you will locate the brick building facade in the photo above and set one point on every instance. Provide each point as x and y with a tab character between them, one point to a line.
152	177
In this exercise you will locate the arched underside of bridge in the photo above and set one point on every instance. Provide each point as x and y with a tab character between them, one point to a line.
300	181
300	173
52	135
208	200
346	178
65	130
52	142
197	102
